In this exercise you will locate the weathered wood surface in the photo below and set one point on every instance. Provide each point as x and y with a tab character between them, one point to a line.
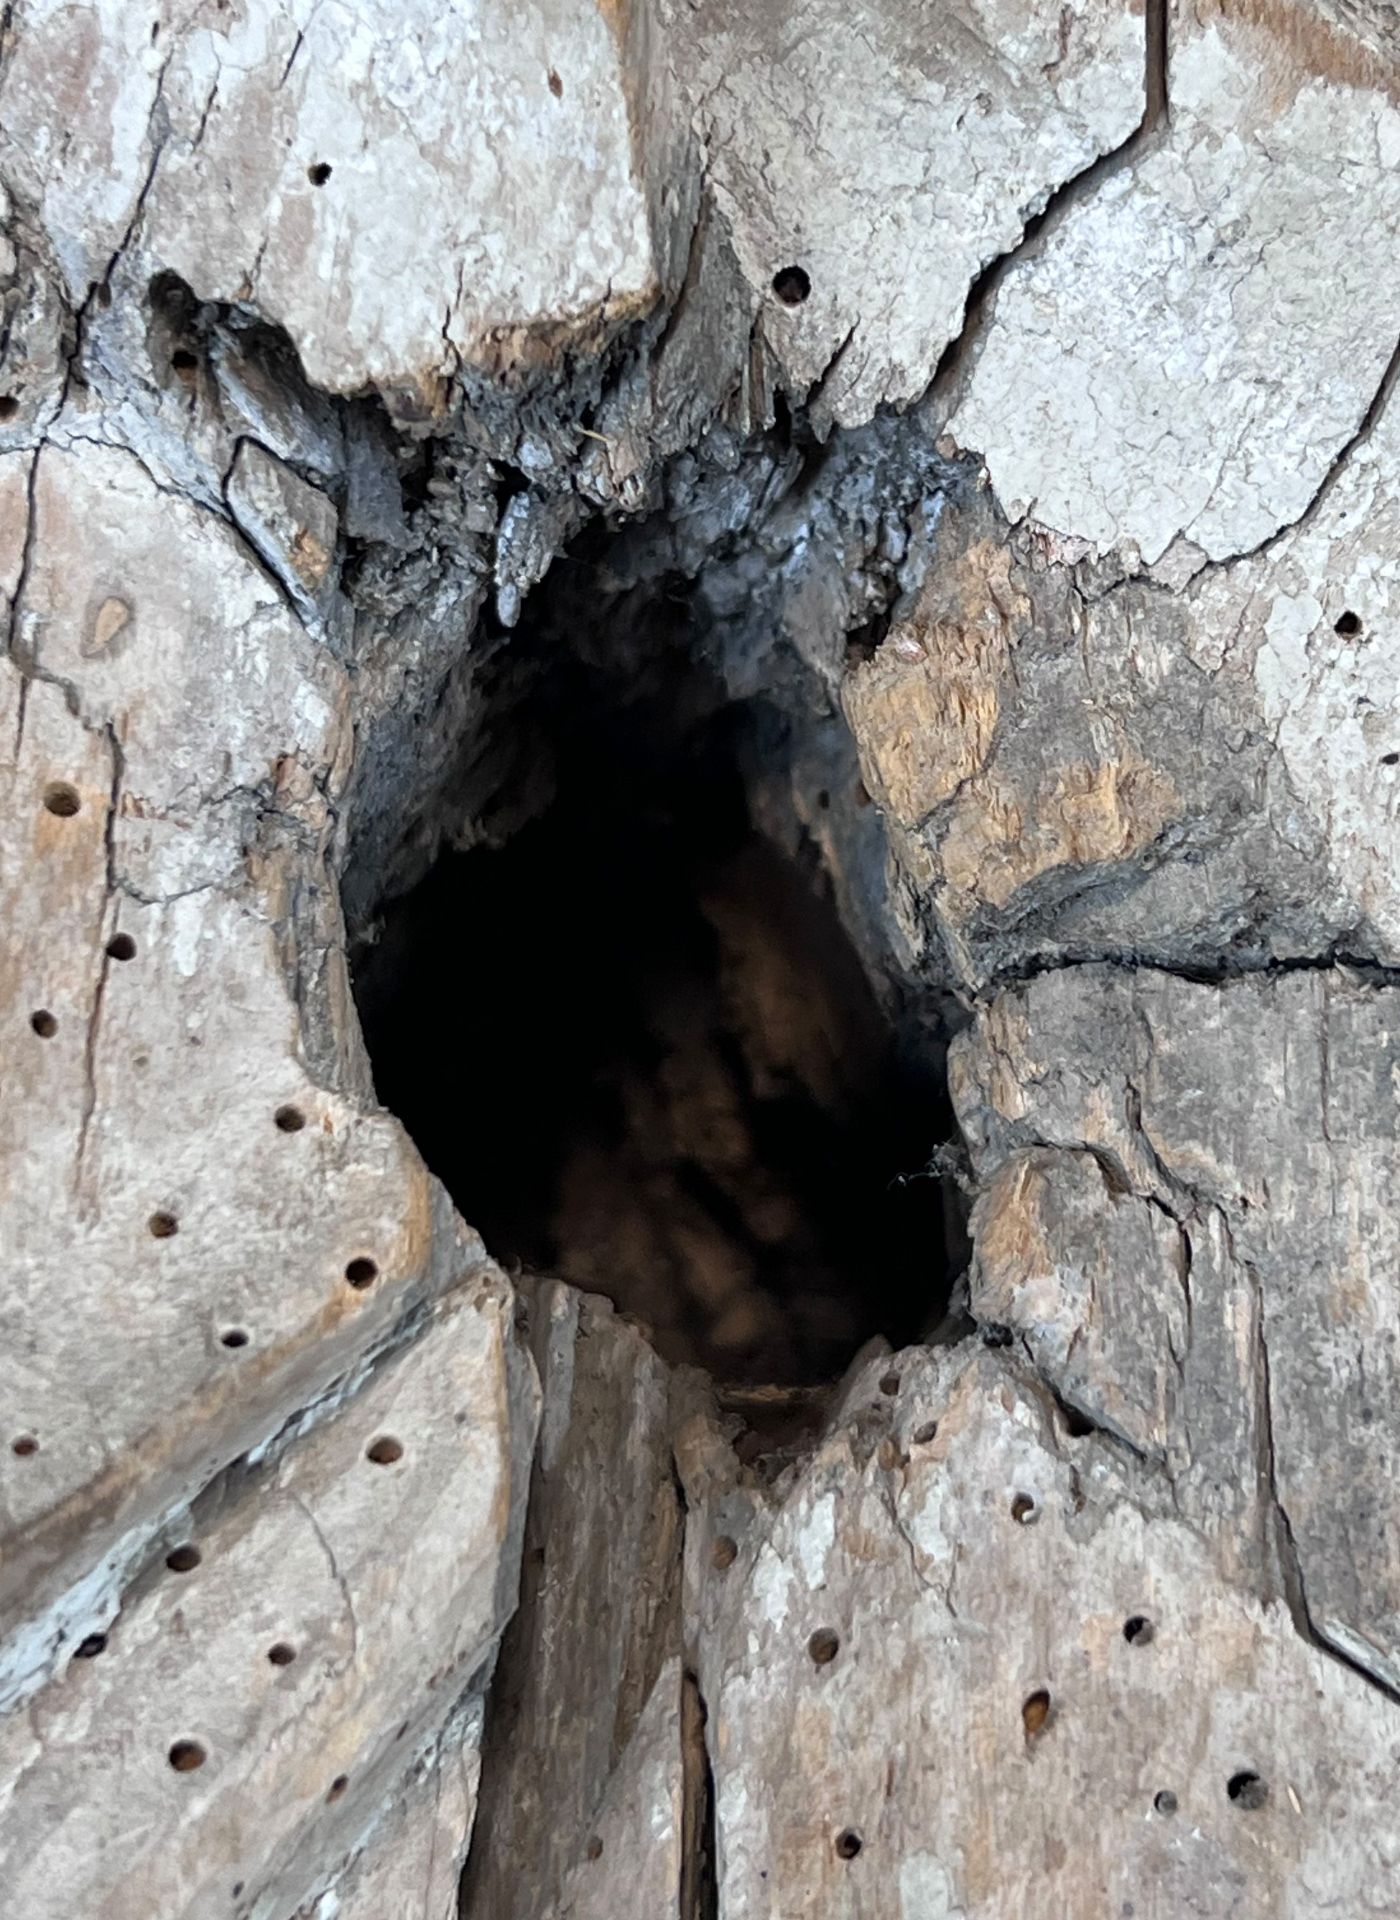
408	1863
926	1698
1253	1124
589	1703
1104	625
1130	389
293	1641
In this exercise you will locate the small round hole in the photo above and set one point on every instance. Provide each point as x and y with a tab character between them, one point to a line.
183	1559
1165	1801
163	1226
186	1755
1024	1510
24	1446
824	1646
792	285
556	85
848	1844
1138	1630
1390	759
90	1648
384	1450
121	946
924	1434
1247	1790
62	799
318	173
281	1655
338	1786
43	1023
1035	1712
9	406
594	1849
889	1384
289	1119
184	362
362	1273
724	1552
1348	624
233	1337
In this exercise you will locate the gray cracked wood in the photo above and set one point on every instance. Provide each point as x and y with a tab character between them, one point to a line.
1262	1119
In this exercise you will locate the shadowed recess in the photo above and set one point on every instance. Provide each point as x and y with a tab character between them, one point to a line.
634	1041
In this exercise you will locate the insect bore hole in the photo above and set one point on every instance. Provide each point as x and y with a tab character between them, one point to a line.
792	285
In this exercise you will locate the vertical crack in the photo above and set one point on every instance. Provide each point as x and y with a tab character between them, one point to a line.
1156	113
1289	1561
339	1578
31	492
699	1857
94	1021
1379	401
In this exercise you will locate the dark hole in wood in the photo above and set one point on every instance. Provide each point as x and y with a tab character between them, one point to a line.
1077	1425
183	1559
792	285
62	799
1035	1712
1138	1630
186	1755
824	1646
319	172
289	1119
1247	1790
655	1065
361	1273
43	1023
89	1648
1348	624
848	1844
121	946
1165	1801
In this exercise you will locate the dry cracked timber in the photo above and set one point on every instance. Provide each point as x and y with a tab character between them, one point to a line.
998	398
